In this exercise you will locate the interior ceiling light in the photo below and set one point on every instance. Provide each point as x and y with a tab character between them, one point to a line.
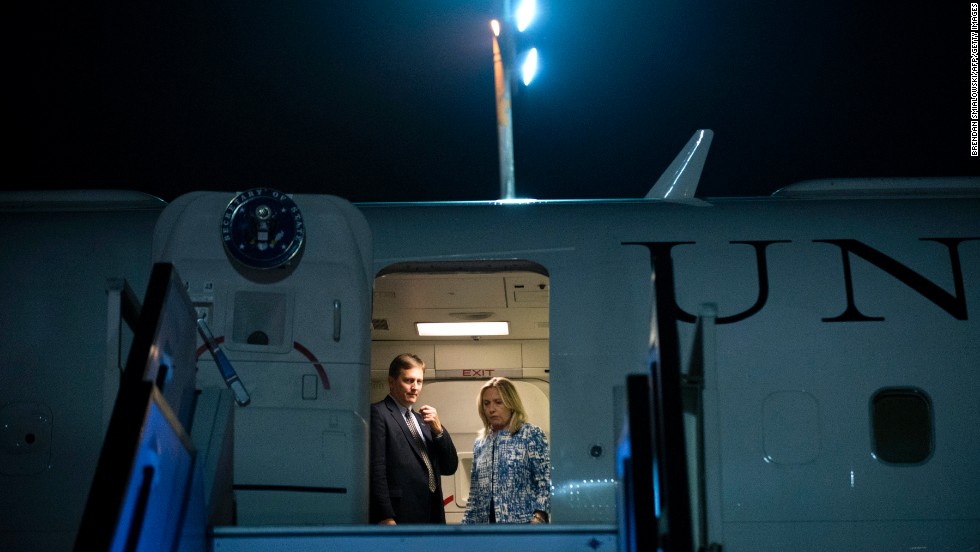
458	329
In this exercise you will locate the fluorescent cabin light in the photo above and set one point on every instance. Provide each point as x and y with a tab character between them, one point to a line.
443	329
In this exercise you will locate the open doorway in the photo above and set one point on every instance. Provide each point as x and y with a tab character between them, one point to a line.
514	292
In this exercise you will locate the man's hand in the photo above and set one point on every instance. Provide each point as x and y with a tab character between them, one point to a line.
431	417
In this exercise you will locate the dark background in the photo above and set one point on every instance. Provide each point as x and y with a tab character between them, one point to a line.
393	100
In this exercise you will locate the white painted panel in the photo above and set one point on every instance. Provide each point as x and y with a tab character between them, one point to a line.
535	353
478	355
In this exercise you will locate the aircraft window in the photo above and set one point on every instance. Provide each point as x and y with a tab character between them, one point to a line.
901	422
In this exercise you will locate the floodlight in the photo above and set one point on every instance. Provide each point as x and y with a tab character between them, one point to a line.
525	14
530	66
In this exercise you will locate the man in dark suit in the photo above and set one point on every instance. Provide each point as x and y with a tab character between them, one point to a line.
405	477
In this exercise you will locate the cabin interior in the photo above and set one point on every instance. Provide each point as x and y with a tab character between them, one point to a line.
514	292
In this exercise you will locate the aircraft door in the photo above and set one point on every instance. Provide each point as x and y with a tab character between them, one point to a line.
283	282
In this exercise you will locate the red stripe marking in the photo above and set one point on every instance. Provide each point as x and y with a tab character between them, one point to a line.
316	363
303	350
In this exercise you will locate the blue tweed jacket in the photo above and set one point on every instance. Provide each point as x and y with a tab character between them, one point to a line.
515	470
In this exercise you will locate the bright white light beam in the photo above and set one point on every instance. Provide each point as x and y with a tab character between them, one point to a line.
525	14
530	67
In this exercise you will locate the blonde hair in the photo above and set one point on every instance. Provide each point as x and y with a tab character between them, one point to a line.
510	398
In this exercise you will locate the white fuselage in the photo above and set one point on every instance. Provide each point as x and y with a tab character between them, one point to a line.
793	316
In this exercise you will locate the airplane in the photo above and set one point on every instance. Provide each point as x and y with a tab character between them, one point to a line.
792	372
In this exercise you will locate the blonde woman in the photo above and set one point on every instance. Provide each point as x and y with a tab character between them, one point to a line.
511	479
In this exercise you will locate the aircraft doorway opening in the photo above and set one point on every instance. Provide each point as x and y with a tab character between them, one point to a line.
515	292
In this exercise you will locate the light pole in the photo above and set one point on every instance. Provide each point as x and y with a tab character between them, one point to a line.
505	130
503	64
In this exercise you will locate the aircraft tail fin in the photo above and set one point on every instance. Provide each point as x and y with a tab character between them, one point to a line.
680	180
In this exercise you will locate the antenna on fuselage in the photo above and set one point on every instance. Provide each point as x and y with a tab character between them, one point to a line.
680	180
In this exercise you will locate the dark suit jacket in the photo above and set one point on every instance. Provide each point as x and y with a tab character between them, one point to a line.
399	481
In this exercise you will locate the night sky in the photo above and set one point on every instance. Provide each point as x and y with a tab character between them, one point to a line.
393	100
